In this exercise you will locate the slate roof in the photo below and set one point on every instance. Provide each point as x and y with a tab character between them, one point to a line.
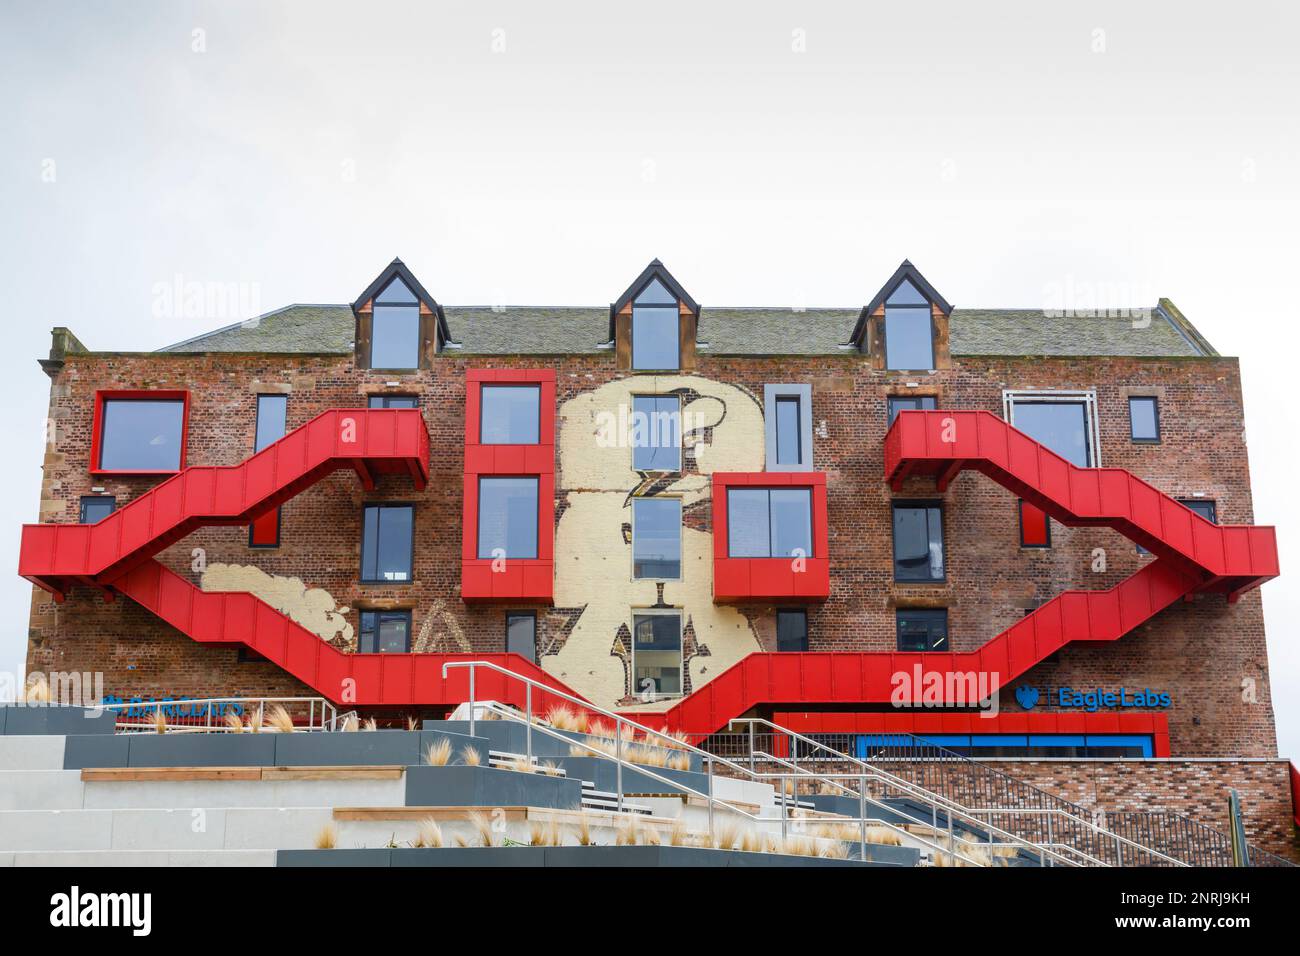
512	330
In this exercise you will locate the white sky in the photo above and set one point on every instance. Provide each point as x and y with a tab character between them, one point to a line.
543	153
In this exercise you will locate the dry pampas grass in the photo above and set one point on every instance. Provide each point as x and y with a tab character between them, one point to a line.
327	838
584	831
429	835
159	721
438	754
280	720
483	828
234	723
545	834
470	757
36	691
350	724
370	724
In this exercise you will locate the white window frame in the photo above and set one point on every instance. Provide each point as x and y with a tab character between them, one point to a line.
1086	397
802	394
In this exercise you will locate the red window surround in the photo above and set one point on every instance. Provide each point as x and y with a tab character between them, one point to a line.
1154	724
97	432
521	580
1035	527
741	580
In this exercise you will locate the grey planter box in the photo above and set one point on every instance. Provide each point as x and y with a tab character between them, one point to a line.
202	750
46	720
96	750
603	772
488	787
567	856
509	735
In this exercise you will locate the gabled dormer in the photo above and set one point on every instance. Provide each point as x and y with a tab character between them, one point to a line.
653	324
399	326
905	327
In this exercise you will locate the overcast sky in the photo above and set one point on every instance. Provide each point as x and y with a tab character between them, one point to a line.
769	153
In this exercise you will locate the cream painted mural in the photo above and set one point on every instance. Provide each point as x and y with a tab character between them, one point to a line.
722	430
313	608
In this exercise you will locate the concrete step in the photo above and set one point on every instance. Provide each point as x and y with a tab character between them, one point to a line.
173	794
41	789
225	828
31	753
120	858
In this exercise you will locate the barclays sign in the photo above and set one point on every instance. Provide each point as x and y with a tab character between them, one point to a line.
1067	698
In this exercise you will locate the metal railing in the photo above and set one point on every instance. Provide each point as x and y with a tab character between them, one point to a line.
1120	838
208	715
949	810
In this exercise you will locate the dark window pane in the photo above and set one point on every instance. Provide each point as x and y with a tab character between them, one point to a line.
271	413
1061	426
395	337
909	343
655	338
396	292
657	538
906	294
95	508
657	653
1203	507
387	534
394	401
791	522
788	437
507	518
922	629
141	435
521	635
1144	419
792	630
385	632
656	433
510	415
899	403
748	526
918	543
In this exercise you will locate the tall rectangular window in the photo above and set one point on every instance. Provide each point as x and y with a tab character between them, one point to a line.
272	419
656	330
141	435
1062	421
510	414
909	330
656	433
385	632
395	328
95	508
657	538
521	634
1035	527
918	541
386	543
393	401
922	629
791	629
657	654
787	431
900	403
769	522
1144	419
787	421
507	517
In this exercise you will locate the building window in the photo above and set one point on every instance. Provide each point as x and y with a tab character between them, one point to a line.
141	434
393	401
922	629
909	330
1065	422
918	541
903	403
510	415
507	517
385	632
657	654
386	543
395	328
787	417
1203	507
656	335
95	508
657	538
791	630
1144	419
521	634
769	522
272	417
656	433
1035	527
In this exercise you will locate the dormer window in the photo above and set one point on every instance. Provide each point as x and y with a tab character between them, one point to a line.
653	324
655	330
909	332
399	325
395	335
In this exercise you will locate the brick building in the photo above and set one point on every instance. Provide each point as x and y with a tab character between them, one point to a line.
686	513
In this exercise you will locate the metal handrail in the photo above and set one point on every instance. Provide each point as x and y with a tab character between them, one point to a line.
316	707
1120	841
619	720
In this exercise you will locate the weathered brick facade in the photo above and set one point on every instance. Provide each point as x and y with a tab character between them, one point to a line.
1210	656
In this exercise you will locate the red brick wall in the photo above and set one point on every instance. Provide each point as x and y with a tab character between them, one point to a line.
1199	652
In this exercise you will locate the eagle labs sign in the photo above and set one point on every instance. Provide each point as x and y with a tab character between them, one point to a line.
1067	698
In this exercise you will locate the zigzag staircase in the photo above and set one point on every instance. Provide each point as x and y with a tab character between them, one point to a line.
1193	555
